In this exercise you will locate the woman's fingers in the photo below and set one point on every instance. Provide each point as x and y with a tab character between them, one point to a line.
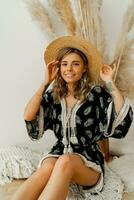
54	73
53	63
106	69
52	70
106	72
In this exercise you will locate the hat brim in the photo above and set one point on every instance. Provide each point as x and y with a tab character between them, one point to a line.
90	51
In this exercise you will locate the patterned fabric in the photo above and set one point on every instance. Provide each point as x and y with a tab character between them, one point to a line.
94	122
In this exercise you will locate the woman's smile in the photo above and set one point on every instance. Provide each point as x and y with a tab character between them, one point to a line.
69	75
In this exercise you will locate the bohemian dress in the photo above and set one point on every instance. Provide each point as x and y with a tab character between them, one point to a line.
78	130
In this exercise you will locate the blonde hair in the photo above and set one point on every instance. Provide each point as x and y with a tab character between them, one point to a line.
82	87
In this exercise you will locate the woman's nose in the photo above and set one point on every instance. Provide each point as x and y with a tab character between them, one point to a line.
69	67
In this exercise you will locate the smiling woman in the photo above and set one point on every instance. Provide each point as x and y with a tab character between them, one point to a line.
77	111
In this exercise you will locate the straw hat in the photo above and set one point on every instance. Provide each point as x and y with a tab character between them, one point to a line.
93	56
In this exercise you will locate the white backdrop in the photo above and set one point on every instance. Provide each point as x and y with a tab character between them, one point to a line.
21	63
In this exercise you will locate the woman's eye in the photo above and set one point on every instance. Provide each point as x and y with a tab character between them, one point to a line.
76	64
73	64
63	64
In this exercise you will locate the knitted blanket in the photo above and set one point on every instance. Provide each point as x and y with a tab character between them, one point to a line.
113	189
17	162
124	167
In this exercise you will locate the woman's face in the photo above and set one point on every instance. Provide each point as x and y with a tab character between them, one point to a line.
72	68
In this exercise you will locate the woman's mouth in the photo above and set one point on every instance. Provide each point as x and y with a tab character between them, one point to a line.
69	75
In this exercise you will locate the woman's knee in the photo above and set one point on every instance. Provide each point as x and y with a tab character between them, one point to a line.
47	165
64	164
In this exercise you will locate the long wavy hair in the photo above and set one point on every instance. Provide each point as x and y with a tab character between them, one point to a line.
82	87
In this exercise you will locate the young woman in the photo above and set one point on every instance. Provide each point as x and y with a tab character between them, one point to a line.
80	113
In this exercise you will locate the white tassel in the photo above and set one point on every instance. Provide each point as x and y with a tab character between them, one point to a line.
74	139
70	150
64	141
65	150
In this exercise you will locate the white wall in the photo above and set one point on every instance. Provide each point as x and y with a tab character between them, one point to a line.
21	63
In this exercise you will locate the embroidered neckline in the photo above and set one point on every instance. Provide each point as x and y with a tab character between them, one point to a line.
69	125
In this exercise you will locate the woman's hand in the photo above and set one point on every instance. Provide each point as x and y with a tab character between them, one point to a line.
106	73
51	71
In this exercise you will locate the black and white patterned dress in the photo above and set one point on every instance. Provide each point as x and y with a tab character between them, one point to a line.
94	120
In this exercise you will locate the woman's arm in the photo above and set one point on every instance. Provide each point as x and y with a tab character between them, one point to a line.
33	105
111	124
106	74
116	94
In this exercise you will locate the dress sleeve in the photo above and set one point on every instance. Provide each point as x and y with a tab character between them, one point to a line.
43	120
118	126
109	124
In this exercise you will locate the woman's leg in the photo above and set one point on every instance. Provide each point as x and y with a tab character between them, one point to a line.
33	186
68	168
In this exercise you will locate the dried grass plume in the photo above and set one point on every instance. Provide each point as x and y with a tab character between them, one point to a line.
90	24
123	58
41	16
64	11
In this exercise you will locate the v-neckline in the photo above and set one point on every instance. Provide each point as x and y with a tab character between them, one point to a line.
72	106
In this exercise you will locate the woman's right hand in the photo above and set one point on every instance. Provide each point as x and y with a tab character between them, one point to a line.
51	71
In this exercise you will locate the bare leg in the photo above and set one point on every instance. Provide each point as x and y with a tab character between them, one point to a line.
32	187
68	168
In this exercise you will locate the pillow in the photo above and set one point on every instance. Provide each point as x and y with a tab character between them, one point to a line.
17	162
123	146
124	167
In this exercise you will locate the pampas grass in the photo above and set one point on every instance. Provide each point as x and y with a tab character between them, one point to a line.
127	26
87	22
64	11
41	16
90	24
124	74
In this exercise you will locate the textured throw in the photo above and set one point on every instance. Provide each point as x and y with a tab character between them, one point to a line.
124	167
17	162
113	189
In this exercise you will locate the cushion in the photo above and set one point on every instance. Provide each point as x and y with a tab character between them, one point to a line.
17	162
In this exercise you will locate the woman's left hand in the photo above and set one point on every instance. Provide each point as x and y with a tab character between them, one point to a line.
106	73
